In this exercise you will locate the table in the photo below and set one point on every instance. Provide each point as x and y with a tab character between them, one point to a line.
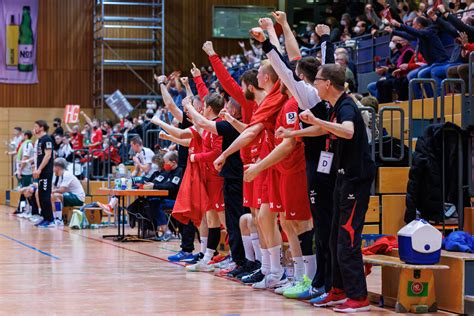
121	194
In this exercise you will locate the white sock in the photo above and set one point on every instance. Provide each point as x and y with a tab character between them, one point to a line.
203	244
59	215
113	202
208	255
310	266
265	261
275	262
256	246
249	254
299	268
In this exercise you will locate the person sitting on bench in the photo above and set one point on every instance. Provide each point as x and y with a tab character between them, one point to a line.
67	189
169	179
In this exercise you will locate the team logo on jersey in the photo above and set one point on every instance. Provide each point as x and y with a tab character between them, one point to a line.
160	178
175	180
49	145
351	197
278	206
292	214
291	118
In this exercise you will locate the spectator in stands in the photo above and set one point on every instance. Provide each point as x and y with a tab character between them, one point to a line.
67	189
97	137
175	88
361	29
77	139
335	30
106	128
25	159
343	60
347	25
65	149
428	43
142	159
462	71
372	102
58	129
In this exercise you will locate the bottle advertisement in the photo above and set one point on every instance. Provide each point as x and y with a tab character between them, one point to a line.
18	34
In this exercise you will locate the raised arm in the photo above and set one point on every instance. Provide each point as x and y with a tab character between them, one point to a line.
185	82
168	100
410	30
179	141
200	85
170	129
68	128
327	47
238	125
200	120
291	43
87	118
267	24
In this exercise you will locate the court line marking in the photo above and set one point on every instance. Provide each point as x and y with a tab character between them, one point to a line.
31	247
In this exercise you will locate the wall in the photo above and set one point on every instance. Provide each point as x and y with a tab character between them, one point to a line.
64	55
189	25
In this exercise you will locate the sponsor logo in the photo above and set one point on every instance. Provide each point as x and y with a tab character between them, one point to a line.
176	180
49	145
160	178
351	197
291	118
417	289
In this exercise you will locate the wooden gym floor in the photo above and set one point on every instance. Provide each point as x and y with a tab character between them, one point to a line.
55	271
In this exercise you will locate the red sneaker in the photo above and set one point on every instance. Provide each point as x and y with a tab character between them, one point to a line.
353	306
333	298
217	258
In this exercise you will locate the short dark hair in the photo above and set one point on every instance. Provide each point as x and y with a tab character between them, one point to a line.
308	66
171	156
28	134
215	101
250	78
422	21
236	105
18	128
334	73
57	119
43	124
137	140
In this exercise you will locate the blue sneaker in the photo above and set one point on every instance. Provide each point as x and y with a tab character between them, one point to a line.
47	224
319	299
194	259
181	256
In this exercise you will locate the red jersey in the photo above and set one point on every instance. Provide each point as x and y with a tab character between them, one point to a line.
96	137
211	150
77	141
288	118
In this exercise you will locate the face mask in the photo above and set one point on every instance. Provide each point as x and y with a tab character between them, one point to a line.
55	124
357	29
392	45
74	133
399	46
343	22
462	6
451	5
312	42
149	115
155	166
140	122
308	29
405	8
430	2
168	166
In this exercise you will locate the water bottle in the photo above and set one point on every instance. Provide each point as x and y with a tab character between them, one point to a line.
123	182
129	184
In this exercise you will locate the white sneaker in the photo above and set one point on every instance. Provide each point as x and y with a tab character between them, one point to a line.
224	264
281	289
200	267
271	281
27	215
59	222
36	219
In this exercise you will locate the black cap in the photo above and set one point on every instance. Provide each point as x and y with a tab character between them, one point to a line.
26	7
12	19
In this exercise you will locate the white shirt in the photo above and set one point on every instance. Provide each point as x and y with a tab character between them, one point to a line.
28	152
71	183
145	157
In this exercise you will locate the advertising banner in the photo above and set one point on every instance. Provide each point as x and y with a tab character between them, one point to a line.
18	44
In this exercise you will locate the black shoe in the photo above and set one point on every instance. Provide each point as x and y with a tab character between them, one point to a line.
239	270
255	277
17	211
196	258
249	268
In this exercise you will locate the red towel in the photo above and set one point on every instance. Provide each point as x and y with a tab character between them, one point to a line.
381	246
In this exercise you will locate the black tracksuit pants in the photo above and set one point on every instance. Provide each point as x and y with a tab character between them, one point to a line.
321	189
44	191
351	200
233	199
188	232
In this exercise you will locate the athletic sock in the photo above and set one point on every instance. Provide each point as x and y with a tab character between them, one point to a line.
306	241
275	260
214	237
265	262
59	210
256	246
113	202
299	268
249	254
208	255
310	266
203	245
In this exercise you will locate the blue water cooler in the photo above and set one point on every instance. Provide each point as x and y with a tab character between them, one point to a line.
419	243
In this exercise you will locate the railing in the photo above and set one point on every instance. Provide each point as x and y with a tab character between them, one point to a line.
446	86
411	91
382	111
148	139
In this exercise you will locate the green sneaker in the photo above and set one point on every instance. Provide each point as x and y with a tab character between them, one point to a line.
298	289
